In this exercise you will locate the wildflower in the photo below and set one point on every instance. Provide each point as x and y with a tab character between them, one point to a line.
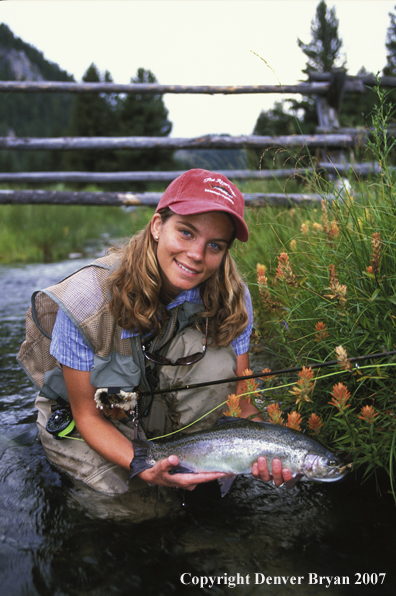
340	397
304	386
376	254
275	414
305	228
315	423
369	269
342	358
321	331
261	271
334	229
325	217
249	386
337	290
284	271
317	227
293	245
267	377
294	420
367	414
234	409
263	287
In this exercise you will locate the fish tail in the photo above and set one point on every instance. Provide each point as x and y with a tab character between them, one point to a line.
139	463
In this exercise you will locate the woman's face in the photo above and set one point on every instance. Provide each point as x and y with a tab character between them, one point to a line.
190	247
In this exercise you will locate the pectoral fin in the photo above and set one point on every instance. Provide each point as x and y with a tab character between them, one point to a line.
226	483
293	481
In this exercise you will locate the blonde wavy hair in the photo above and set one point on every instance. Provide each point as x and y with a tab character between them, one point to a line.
138	301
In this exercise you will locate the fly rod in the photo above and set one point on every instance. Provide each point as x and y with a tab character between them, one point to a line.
267	374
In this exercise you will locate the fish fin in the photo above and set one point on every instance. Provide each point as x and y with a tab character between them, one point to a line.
181	470
228	419
293	481
226	483
139	462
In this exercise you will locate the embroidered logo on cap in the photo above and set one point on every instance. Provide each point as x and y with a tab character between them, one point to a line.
220	188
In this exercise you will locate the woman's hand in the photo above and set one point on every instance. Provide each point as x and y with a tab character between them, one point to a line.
160	474
279	475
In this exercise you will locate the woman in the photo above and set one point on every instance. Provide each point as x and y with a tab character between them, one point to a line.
168	310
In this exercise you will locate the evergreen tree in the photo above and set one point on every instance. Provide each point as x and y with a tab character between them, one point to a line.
323	51
94	115
390	68
144	115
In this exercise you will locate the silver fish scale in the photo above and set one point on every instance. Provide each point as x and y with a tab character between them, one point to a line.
234	447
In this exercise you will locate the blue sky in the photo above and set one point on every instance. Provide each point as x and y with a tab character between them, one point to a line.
205	42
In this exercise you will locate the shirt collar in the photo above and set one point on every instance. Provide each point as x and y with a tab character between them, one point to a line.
192	295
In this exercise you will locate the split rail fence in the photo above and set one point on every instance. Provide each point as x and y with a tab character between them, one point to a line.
331	140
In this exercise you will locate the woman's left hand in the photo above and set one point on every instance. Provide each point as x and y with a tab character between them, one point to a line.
279	474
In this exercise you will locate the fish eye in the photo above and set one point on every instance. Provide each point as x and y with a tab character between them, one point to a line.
332	462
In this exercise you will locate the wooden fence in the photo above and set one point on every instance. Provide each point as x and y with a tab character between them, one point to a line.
328	90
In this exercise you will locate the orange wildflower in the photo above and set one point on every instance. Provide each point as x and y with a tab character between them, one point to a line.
262	282
267	377
315	423
294	420
376	255
249	386
275	414
334	229
321	331
284	271
342	358
304	386
234	409
340	397
337	290
367	414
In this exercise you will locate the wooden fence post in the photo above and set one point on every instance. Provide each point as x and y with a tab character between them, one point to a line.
327	108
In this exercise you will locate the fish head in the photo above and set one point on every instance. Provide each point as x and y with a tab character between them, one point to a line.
324	468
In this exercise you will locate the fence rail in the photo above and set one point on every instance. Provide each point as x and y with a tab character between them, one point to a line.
205	142
327	89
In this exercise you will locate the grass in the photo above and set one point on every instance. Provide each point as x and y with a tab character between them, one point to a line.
45	233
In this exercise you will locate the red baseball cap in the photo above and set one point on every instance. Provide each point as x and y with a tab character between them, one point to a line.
199	191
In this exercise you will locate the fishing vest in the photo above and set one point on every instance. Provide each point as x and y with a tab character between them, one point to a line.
119	363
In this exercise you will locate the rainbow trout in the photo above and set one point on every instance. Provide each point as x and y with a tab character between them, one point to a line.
234	444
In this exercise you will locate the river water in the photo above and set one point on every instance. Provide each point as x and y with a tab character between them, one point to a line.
61	539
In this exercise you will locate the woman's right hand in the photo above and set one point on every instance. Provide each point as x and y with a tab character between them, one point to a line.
160	474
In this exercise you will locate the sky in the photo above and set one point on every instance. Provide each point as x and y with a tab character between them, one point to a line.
198	42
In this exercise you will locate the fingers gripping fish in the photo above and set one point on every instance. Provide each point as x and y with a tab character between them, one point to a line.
232	447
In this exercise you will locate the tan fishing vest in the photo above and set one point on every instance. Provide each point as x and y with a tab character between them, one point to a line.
83	296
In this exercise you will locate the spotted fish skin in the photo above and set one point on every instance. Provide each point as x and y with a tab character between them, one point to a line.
234	444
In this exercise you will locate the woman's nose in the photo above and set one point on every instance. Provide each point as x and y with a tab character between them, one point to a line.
197	251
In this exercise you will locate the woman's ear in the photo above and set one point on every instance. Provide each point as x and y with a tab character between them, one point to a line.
156	224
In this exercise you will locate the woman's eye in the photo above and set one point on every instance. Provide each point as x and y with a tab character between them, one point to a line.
214	246
186	233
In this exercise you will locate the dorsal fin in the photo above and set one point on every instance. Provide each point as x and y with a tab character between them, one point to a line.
227	419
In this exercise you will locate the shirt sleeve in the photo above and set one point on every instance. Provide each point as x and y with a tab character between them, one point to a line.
68	346
241	343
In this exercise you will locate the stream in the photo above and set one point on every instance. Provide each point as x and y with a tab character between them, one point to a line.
58	538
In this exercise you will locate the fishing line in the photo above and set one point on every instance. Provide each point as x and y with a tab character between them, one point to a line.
264	389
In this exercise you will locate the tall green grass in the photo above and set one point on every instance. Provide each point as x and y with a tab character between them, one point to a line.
44	233
324	290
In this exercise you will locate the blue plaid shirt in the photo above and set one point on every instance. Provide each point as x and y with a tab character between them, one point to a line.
69	348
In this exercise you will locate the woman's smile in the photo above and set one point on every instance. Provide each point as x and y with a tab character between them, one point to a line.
190	247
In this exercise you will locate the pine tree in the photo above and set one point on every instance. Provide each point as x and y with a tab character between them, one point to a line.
390	68
145	115
323	51
94	115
